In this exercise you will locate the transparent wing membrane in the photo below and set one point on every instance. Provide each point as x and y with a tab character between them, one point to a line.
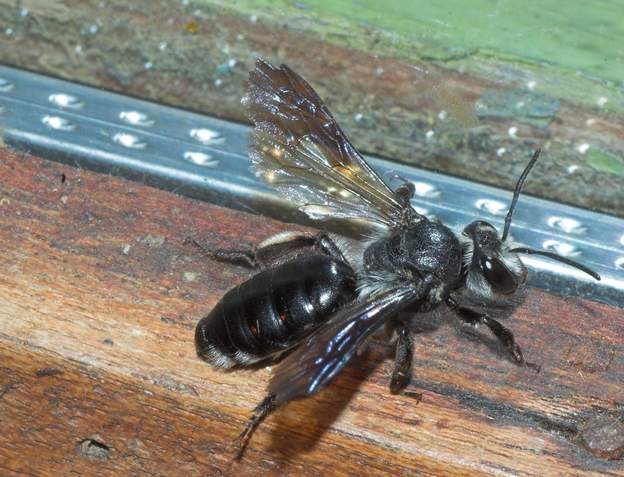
298	148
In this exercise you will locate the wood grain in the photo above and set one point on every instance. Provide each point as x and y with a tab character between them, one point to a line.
99	297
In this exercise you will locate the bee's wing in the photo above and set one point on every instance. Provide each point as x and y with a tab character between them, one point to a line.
326	351
298	148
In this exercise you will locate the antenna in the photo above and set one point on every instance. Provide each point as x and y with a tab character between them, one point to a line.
519	185
559	258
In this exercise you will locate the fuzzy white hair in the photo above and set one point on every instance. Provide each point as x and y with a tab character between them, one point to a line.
216	357
475	280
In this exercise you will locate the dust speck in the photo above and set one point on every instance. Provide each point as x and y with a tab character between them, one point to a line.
153	241
190	276
94	448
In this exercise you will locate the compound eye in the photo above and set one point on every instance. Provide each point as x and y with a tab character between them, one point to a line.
500	277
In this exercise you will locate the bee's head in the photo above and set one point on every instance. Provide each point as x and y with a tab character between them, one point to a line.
489	258
491	264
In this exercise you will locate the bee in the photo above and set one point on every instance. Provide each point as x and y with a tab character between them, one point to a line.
314	302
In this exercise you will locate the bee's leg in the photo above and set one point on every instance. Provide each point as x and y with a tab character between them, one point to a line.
402	373
405	192
503	334
259	414
404	351
326	245
274	249
245	258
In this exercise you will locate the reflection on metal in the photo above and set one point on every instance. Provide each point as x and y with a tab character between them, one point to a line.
206	136
426	190
58	122
5	85
492	207
136	118
201	158
561	248
65	100
206	158
129	140
567	224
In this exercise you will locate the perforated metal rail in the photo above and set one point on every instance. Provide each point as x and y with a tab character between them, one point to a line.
206	158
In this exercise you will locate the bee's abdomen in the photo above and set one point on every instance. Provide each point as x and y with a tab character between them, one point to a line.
273	310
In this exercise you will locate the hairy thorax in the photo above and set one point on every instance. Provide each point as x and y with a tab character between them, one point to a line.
427	254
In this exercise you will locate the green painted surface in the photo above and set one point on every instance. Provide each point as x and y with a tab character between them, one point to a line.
575	35
575	49
605	162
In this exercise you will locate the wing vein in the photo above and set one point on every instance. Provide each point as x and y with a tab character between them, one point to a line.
299	148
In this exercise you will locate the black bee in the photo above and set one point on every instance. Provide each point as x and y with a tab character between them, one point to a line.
316	301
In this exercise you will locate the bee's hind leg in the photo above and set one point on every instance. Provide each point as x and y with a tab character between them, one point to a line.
274	249
404	353
245	258
266	407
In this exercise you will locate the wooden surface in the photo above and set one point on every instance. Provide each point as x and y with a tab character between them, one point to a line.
470	91
99	298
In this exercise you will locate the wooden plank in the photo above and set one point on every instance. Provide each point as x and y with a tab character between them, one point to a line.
407	83
99	297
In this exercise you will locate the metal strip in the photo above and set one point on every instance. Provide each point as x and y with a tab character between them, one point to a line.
206	158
